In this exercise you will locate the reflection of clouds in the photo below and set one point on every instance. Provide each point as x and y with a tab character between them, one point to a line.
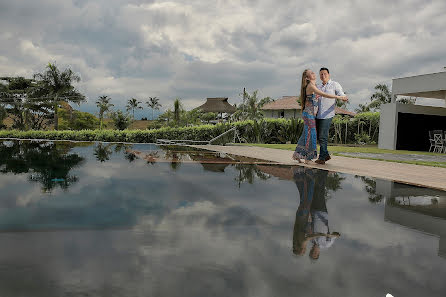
192	232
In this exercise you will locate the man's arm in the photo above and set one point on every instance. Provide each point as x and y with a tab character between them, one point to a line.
338	89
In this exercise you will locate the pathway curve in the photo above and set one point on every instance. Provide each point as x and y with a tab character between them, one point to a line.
425	176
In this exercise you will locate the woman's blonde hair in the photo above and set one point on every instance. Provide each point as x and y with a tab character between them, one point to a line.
303	89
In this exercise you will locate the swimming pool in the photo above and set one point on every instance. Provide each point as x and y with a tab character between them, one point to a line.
98	219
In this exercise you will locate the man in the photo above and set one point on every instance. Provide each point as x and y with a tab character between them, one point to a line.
326	112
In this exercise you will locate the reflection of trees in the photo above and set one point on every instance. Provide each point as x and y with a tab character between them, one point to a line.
370	188
129	156
333	182
247	173
102	152
48	163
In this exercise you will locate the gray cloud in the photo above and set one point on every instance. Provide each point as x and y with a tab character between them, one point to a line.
189	50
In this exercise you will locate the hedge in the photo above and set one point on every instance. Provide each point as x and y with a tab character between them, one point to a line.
263	131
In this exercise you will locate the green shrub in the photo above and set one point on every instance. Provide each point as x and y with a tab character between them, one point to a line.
267	131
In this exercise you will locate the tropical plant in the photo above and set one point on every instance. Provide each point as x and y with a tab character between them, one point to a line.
3	116
133	104
58	86
121	120
154	104
24	103
250	107
362	108
104	106
208	116
383	95
177	109
77	120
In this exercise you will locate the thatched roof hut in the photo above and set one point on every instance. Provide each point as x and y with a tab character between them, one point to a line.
219	105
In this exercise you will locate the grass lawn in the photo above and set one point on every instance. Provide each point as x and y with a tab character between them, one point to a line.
336	149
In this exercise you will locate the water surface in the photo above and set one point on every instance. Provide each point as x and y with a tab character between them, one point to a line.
95	219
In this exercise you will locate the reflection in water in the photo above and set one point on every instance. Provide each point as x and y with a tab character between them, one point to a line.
129	228
311	224
46	162
370	188
418	208
102	152
210	161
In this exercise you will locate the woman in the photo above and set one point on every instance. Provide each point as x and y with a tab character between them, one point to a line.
306	146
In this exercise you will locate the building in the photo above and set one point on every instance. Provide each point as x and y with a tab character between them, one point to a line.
218	105
407	126
288	107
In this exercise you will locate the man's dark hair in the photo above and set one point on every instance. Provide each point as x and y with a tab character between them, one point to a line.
324	68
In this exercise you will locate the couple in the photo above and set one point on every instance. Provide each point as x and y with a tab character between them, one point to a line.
318	109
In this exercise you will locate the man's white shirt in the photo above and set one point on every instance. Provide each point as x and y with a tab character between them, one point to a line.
326	106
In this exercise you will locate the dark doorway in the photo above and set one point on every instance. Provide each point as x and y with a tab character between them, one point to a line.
413	130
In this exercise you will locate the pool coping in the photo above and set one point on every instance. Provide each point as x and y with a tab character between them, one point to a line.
417	175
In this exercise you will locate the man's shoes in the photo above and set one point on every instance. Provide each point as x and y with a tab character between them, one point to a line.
320	162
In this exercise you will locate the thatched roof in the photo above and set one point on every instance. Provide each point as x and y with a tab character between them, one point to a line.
292	102
287	102
217	105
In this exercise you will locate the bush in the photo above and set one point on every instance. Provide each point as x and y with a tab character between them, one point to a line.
362	138
77	120
345	129
121	120
267	131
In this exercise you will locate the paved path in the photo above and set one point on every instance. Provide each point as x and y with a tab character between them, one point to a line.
397	157
426	176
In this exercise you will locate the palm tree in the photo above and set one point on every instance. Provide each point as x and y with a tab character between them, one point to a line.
133	104
253	111
177	109
57	85
153	103
104	105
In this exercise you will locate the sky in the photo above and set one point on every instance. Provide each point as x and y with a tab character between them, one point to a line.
197	49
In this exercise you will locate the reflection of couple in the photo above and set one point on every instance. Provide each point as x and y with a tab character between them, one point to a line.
311	223
318	109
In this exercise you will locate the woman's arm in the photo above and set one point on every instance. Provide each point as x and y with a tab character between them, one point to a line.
313	88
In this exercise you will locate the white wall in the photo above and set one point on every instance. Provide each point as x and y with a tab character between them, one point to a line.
288	114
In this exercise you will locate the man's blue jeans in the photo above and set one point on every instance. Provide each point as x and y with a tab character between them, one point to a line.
322	127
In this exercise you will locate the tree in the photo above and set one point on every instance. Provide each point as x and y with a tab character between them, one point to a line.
362	108
3	115
58	86
208	116
265	101
153	103
24	102
104	106
383	95
177	109
250	108
121	120
133	104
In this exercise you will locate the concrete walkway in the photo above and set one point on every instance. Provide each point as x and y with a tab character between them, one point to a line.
425	176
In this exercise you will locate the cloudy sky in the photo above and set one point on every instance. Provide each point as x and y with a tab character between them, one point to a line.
197	48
